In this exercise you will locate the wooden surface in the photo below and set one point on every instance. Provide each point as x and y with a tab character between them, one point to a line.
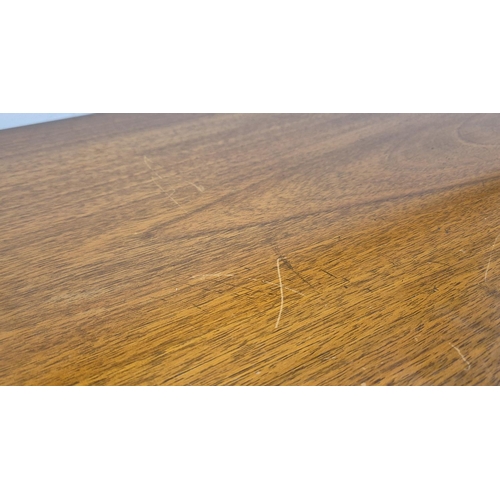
251	249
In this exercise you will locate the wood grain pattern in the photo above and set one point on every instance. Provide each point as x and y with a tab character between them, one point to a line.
251	250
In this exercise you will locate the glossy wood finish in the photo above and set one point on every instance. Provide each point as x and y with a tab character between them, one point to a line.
251	249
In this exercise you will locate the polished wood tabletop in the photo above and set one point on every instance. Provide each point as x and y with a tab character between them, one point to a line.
251	250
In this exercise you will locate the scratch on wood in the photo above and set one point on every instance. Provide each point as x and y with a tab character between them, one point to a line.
161	189
277	284
226	275
287	263
281	291
329	274
177	203
461	355
199	188
154	173
491	254
277	251
148	163
170	197
214	275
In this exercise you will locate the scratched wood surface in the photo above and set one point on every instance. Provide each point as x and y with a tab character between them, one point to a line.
251	250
